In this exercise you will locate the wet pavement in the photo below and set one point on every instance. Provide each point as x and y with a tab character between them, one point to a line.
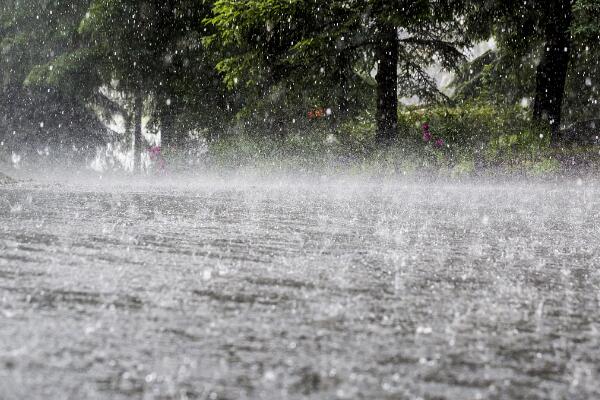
285	289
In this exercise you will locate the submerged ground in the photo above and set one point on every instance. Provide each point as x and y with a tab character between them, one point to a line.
284	288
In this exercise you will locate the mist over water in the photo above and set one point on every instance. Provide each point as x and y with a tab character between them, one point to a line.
274	286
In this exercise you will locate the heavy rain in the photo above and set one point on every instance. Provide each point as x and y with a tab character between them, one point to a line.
296	199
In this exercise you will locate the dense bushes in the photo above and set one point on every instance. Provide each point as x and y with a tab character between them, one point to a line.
475	137
467	125
481	134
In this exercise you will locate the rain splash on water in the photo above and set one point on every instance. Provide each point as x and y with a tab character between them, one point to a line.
289	287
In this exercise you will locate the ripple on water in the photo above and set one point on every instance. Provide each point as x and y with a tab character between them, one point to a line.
275	291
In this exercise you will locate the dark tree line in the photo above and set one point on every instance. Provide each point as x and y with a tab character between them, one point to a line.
190	64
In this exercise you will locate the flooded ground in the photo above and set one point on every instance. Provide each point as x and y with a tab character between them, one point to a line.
284	289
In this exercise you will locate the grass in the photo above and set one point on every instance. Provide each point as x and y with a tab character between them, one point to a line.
328	152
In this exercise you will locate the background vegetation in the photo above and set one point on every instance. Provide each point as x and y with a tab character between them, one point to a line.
342	82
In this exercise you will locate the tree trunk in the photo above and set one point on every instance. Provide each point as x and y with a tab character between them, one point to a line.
551	72
341	81
387	84
137	132
168	138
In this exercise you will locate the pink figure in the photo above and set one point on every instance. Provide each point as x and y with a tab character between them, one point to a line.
439	142
154	152
157	159
426	133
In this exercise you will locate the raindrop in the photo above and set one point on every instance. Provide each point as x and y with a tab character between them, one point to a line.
206	274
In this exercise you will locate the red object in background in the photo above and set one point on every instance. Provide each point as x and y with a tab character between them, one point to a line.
428	137
317	113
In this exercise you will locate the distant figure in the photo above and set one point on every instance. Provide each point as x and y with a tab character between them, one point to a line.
427	136
159	165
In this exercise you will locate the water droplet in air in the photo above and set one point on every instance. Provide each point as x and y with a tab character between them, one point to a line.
206	274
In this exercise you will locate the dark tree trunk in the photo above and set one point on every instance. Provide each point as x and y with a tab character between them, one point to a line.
137	132
168	138
551	72
387	84
341	80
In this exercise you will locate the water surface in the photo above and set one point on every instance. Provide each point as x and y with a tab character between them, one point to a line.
289	289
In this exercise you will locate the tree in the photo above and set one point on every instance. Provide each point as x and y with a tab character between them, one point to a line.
38	116
278	41
151	53
153	50
546	52
582	91
122	33
551	74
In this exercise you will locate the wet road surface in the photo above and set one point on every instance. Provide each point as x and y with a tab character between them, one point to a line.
289	290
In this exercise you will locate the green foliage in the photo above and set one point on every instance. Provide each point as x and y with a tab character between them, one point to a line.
586	26
66	72
358	133
527	144
507	75
466	125
495	77
315	150
464	166
324	52
35	113
152	49
249	72
545	166
34	31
